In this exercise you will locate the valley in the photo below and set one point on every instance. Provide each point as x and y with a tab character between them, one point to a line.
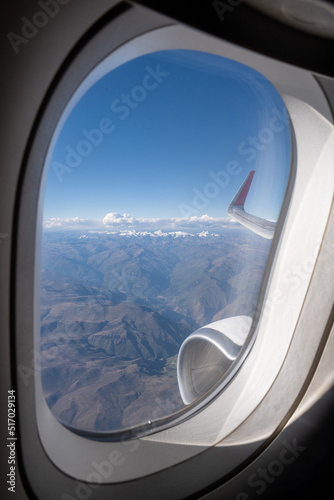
116	306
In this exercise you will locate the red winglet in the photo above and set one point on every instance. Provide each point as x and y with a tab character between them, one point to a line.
240	201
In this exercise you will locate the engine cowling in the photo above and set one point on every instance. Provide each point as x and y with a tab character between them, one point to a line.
208	353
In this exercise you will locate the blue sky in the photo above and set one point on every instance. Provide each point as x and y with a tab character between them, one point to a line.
168	124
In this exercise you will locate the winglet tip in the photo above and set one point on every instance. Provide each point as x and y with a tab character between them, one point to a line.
242	195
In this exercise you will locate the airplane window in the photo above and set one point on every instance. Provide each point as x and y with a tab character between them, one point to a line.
165	180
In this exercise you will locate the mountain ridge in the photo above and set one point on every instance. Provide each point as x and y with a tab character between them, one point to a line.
115	309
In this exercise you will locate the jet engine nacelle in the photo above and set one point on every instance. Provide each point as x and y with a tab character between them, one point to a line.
208	353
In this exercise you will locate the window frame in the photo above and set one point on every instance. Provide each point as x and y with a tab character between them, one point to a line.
179	448
115	59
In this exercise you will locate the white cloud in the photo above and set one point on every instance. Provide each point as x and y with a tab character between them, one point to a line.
204	218
72	222
114	218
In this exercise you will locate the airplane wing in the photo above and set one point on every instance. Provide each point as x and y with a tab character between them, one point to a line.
236	210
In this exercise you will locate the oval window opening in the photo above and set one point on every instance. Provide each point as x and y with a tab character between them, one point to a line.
165	179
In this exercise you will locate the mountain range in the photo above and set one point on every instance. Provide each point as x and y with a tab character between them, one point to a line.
116	306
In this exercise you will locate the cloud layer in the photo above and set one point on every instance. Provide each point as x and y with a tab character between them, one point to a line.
58	222
121	222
